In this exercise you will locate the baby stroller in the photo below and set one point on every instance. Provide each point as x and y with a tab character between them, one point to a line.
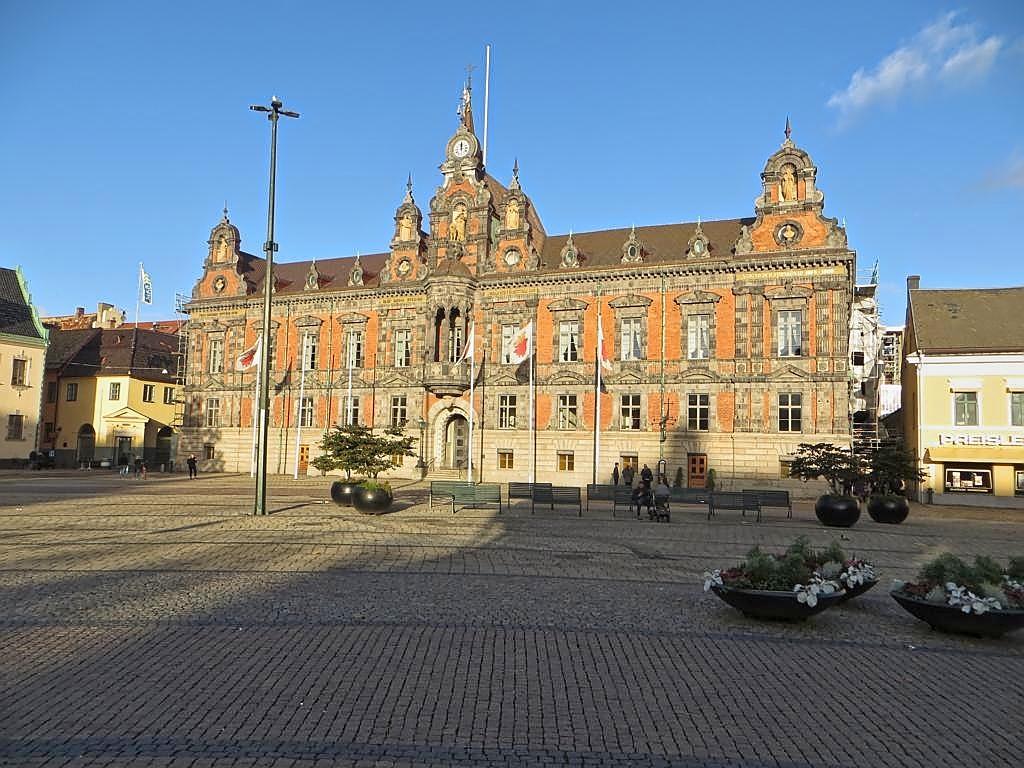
661	511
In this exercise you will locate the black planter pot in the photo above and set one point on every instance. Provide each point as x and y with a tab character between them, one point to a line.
888	509
372	501
342	492
949	618
837	511
857	591
775	606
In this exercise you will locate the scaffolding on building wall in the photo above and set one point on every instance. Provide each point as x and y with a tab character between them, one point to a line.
180	371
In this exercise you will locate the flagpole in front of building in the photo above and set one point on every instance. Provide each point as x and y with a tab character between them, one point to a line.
274	112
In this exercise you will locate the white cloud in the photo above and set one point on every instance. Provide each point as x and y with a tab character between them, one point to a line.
943	50
1009	176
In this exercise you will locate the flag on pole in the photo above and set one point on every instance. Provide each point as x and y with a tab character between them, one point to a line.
250	356
602	353
145	286
469	351
520	346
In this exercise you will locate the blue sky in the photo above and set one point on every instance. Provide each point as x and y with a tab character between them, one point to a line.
127	126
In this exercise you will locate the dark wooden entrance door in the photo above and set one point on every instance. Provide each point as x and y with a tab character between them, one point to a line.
697	470
456	443
303	459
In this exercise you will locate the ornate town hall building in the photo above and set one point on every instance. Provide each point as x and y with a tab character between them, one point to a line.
727	340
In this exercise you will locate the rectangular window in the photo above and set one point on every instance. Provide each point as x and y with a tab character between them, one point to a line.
698	337
15	427
215	356
784	467
51	392
857	359
209	452
148	393
350	410
566	461
568	417
454	343
115	391
507	332
398	412
403	348
310	346
790	332
629	412
569	341
698	412
306	412
506	411
631	339
354	349
397	459
965	409
506	460
213	411
168	395
71	394
19	372
1017	409
789	413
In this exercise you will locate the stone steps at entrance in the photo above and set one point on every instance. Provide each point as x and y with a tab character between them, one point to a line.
446	474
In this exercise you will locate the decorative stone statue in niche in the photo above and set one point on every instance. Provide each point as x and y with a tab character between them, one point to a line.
405	226
788	185
458	233
512	214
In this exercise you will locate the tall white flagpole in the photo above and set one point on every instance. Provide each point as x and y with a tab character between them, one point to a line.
138	297
302	396
598	353
487	97
255	401
349	354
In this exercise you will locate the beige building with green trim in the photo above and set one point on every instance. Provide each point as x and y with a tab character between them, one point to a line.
963	393
22	361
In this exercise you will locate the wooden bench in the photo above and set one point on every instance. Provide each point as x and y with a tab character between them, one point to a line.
523	490
778	499
600	493
465	494
622	497
744	502
553	495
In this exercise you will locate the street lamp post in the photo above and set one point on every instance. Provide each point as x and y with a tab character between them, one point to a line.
274	111
421	465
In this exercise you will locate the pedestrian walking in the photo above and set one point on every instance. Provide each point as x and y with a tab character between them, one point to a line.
615	474
627	475
193	469
646	476
138	467
142	468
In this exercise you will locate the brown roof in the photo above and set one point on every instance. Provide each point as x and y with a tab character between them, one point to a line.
113	351
968	319
660	243
291	276
15	312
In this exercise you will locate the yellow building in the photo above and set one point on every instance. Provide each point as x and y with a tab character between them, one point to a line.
110	397
963	393
22	355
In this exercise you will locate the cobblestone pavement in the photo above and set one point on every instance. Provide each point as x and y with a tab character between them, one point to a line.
154	623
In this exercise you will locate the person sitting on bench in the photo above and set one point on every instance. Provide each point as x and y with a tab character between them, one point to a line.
642	497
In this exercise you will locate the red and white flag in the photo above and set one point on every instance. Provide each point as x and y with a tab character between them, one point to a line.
520	346
250	356
469	351
602	354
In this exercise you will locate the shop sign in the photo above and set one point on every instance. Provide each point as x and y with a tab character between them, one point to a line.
953	438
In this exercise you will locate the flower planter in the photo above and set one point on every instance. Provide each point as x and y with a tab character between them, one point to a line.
372	501
950	618
342	492
837	511
772	605
888	509
851	592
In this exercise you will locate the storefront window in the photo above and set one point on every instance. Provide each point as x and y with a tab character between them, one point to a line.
1019	484
968	480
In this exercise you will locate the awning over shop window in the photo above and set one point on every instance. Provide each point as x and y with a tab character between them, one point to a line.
976	454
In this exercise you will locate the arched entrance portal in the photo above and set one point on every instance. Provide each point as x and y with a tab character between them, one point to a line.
456	442
86	450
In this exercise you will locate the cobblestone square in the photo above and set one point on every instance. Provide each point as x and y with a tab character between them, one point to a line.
154	623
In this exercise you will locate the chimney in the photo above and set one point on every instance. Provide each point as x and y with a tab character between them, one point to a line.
913	282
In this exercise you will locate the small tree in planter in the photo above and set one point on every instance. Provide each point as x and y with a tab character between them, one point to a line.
890	469
839	468
357	448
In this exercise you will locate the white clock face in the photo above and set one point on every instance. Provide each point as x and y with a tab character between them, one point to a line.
698	246
512	257
461	148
